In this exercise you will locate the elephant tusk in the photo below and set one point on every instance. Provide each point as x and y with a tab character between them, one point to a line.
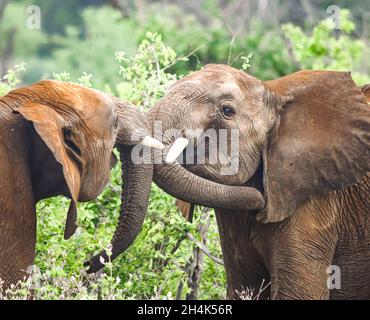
152	143
178	146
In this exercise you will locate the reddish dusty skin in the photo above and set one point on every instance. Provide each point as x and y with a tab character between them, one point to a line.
57	139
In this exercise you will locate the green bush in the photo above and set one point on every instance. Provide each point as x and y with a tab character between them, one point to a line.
216	43
145	76
157	264
322	50
151	267
91	46
11	79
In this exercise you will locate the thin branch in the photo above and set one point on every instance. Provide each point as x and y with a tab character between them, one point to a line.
200	245
235	35
262	288
174	249
204	249
184	57
179	289
183	269
237	57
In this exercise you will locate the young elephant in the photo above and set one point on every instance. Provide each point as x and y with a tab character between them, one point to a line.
57	139
304	143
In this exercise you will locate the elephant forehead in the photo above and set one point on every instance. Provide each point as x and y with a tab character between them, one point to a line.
99	104
220	80
95	107
214	87
87	103
99	111
63	92
226	86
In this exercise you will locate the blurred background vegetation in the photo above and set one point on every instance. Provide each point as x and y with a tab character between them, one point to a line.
83	35
135	49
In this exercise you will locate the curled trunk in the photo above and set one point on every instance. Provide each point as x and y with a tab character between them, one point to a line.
186	186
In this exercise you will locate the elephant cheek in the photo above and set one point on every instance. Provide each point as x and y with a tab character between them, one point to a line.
94	181
90	190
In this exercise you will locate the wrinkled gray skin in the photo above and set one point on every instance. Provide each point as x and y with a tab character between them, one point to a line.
305	145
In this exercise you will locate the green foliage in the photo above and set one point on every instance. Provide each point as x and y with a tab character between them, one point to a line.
322	50
23	44
216	42
26	42
102	49
11	79
104	33
149	269
145	76
84	80
155	264
246	61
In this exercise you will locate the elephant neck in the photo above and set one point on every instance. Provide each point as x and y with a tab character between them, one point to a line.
343	212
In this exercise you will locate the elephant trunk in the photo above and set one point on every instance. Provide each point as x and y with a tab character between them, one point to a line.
133	127
184	185
136	182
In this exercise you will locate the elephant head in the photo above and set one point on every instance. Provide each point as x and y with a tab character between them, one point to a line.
299	136
78	127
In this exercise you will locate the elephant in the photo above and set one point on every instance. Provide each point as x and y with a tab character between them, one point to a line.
293	214
57	138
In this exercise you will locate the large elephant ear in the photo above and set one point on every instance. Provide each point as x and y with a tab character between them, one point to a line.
52	129
321	144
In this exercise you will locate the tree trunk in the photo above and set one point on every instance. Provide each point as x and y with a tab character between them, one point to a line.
197	261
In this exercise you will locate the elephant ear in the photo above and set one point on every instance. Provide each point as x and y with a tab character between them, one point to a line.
321	142
186	209
366	92
52	129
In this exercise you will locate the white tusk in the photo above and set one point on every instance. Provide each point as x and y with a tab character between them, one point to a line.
152	143
178	146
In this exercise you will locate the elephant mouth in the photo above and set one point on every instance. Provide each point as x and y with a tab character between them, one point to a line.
207	160
192	152
256	180
187	154
203	185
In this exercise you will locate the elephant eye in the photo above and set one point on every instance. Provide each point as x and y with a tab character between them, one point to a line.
228	112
